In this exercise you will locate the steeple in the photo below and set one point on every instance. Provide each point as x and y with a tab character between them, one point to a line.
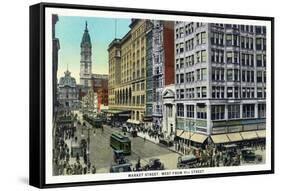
86	36
86	26
86	58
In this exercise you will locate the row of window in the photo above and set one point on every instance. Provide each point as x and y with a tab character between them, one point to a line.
189	77
187	30
218	112
218	74
234	57
221	92
248	111
201	111
218	92
200	57
242	28
189	45
217	56
198	92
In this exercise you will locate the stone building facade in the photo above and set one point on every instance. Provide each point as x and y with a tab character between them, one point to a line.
220	81
127	91
68	92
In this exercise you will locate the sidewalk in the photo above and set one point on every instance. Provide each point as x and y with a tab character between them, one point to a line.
151	139
156	141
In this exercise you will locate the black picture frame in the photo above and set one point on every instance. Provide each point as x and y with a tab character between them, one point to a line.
37	94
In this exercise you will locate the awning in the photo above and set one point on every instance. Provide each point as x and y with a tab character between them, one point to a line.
187	135
248	135
184	134
233	137
199	138
222	138
261	133
179	132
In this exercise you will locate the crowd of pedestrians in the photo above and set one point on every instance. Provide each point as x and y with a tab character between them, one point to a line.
65	160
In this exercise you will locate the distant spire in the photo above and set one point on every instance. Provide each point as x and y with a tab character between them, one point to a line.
86	26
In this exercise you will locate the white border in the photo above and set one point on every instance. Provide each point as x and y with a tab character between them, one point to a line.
112	14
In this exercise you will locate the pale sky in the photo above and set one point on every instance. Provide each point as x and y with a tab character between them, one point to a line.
70	29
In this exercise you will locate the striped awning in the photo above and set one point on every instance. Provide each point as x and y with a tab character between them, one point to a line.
249	135
221	138
199	138
233	137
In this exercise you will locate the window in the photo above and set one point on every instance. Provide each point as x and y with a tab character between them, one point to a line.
204	55
236	75
198	60
258	29
201	111
203	74
259	60
258	43
229	75
242	42
198	92
261	110
204	92
236	92
190	111
182	93
248	110
217	112
229	92
229	57
217	91
201	56
203	36
259	76
259	92
181	78
236	58
233	111
229	40
180	110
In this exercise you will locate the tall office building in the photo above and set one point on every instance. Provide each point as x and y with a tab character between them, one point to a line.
220	82
128	82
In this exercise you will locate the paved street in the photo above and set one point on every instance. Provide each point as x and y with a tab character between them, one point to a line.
101	154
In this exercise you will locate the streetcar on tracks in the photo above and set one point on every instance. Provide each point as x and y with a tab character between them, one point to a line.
122	142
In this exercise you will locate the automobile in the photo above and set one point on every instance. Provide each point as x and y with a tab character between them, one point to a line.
115	168
230	150
248	155
118	156
187	161
154	164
